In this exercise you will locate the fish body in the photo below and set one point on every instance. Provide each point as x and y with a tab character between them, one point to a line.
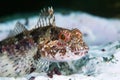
25	51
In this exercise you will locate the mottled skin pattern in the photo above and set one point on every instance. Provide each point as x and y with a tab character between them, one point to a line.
27	51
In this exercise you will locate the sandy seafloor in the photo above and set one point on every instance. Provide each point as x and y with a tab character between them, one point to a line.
99	33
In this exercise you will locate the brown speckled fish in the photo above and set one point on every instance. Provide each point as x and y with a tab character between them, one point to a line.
27	50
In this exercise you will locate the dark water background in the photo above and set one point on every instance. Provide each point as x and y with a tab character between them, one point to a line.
104	8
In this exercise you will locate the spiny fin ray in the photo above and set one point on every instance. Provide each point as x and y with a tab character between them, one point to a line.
46	18
19	28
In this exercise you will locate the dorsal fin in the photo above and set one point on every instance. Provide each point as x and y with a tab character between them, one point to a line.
19	28
46	18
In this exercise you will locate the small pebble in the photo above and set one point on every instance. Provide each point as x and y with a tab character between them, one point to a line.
103	50
32	78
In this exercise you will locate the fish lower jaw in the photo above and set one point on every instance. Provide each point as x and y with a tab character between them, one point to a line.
70	56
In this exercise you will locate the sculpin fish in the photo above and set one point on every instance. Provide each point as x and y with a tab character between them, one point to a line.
25	51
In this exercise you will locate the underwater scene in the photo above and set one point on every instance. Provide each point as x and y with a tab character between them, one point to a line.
60	43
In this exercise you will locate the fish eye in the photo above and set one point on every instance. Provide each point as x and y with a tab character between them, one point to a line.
65	36
62	37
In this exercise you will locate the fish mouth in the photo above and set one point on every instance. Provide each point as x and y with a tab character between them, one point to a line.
81	53
79	50
70	55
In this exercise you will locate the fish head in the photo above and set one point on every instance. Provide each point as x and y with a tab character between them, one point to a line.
62	45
